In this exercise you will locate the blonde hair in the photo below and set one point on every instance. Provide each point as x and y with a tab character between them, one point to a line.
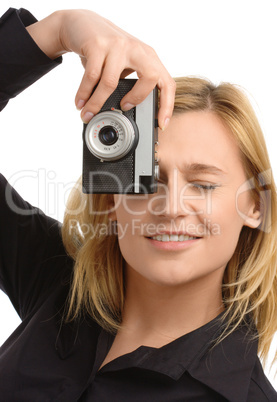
249	285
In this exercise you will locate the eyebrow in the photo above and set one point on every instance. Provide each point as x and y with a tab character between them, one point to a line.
202	168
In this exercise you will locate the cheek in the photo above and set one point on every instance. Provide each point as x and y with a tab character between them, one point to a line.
132	243
226	224
130	227
131	207
225	212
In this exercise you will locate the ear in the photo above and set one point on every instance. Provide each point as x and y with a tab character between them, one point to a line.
254	217
111	206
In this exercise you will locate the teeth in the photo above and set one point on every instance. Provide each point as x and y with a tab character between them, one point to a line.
166	237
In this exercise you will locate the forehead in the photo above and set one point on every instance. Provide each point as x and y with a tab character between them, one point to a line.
198	137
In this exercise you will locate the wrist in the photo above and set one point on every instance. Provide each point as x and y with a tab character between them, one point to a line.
46	34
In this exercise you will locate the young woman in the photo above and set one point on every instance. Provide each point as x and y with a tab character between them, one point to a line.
164	297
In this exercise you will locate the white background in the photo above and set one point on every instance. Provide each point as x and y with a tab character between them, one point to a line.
222	40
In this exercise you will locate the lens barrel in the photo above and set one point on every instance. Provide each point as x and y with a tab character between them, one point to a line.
108	135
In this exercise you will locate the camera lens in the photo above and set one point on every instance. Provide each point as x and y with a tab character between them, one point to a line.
108	135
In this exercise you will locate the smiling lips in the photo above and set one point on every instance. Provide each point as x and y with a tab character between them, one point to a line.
173	237
173	242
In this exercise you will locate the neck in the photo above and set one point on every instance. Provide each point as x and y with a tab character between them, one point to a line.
168	312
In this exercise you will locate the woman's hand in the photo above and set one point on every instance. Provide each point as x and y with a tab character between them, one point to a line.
107	53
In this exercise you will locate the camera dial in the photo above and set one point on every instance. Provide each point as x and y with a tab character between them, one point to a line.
110	135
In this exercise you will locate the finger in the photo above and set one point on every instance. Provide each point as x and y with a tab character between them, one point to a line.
111	73
92	74
167	99
151	73
138	93
141	90
145	62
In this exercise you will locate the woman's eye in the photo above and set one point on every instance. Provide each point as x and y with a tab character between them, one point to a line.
192	185
205	187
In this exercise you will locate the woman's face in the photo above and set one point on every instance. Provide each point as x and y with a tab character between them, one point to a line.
189	229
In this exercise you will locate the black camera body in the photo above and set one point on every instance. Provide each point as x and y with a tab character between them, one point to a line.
119	147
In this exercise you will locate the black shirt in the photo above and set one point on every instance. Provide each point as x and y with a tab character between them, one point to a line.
46	359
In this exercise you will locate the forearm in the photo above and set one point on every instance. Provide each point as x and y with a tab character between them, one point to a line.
22	61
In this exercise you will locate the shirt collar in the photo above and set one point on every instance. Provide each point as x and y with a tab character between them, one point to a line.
227	368
217	366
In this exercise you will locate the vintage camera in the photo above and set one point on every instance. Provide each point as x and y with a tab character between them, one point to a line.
119	147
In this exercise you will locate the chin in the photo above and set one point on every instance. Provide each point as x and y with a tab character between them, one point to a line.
166	276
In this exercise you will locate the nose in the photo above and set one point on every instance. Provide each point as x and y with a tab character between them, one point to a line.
174	198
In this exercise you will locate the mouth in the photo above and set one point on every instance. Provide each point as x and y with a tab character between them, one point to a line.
173	237
173	242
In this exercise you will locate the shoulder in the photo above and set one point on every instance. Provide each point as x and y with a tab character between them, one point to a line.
231	367
260	389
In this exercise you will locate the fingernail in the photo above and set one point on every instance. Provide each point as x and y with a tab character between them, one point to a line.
127	106
80	104
87	117
166	122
